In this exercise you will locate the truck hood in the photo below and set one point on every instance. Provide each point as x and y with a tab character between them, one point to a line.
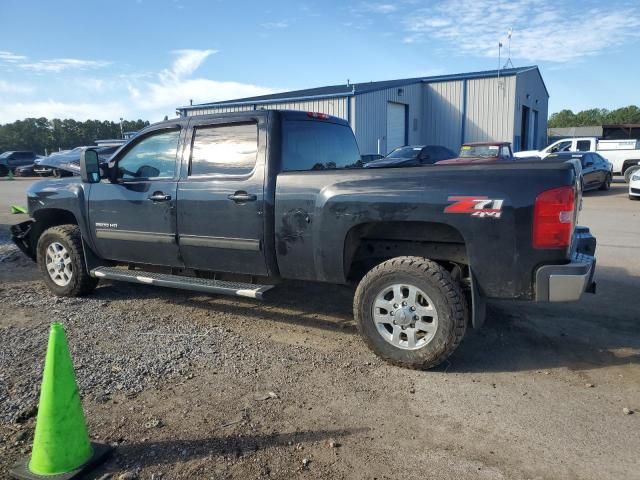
467	160
527	153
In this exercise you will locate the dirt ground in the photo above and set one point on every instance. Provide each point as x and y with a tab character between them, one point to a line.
186	385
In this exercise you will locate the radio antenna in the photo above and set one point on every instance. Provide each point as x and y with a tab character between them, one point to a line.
509	62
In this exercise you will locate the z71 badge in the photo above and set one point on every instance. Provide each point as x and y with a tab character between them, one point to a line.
476	206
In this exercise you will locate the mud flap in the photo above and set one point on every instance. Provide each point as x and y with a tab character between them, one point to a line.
21	236
478	304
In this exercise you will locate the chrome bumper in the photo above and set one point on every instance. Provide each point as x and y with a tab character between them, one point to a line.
567	283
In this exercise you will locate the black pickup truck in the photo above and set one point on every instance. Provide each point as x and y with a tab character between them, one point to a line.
234	203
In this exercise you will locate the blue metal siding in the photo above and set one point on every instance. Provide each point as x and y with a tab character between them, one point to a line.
490	109
531	83
371	116
443	114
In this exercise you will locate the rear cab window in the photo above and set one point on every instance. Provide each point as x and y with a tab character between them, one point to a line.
312	145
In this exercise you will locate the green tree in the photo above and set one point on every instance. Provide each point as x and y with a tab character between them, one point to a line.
594	116
40	134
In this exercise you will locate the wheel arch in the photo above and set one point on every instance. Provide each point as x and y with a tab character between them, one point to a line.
378	241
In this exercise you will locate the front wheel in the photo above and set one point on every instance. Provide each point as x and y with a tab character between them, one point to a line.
410	312
61	261
628	173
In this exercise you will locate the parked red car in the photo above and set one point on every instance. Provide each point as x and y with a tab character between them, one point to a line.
482	152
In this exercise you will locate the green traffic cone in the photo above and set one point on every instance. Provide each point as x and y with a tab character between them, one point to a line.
61	446
18	209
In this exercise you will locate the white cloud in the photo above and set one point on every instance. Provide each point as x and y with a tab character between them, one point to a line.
10	111
11	57
139	95
543	30
57	65
172	87
6	87
275	25
383	8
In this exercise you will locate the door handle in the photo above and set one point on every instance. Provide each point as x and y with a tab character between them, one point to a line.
242	197
159	197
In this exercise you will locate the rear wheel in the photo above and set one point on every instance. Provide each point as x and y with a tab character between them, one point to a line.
410	312
606	185
61	261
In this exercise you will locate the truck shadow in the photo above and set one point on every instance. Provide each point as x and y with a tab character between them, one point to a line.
599	331
169	452
310	305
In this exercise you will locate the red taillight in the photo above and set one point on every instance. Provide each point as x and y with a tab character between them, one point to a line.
321	116
553	216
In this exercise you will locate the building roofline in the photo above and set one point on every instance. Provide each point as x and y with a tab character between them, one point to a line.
539	76
234	103
352	90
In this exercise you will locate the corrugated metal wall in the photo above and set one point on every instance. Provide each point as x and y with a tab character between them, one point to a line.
490	109
371	116
530	83
442	123
437	112
331	106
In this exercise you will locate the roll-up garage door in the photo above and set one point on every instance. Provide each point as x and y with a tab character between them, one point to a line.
396	125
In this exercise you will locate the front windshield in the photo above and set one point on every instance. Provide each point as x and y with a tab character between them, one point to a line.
405	152
5	154
479	151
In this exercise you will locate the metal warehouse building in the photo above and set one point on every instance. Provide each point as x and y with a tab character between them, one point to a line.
497	105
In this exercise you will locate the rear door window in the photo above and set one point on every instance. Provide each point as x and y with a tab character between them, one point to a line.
583	145
316	145
230	149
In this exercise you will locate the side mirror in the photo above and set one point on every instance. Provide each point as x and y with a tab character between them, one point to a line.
89	166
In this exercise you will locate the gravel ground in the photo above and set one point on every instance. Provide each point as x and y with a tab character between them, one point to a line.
186	385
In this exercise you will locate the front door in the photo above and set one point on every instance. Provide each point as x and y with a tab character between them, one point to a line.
590	175
133	217
221	199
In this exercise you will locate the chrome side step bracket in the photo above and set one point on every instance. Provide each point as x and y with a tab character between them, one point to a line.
238	289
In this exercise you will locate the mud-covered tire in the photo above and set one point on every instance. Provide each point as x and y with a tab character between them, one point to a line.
66	238
444	294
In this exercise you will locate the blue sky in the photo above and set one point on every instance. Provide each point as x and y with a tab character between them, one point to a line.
143	58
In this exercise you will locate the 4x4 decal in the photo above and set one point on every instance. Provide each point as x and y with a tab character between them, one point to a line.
476	206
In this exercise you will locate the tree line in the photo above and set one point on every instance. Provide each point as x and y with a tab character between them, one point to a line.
594	116
41	135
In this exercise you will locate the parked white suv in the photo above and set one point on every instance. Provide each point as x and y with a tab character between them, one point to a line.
622	154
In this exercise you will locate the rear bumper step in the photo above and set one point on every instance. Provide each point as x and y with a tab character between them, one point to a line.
248	290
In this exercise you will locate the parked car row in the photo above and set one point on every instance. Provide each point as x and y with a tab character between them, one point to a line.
9	161
597	171
59	164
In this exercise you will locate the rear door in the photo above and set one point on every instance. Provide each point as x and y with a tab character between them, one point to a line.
133	219
220	196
